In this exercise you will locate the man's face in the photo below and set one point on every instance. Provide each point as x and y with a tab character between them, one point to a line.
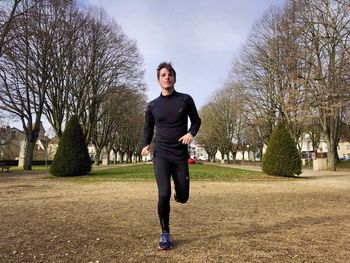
166	79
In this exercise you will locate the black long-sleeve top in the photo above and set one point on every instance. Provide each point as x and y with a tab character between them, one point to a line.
169	114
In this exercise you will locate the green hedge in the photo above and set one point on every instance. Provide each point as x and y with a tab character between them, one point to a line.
282	157
72	156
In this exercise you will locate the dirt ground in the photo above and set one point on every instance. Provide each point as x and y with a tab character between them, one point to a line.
287	220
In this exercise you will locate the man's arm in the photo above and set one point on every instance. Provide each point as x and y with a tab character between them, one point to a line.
148	131
195	122
194	117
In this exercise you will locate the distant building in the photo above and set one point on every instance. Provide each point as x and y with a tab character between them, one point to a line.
344	150
11	140
307	152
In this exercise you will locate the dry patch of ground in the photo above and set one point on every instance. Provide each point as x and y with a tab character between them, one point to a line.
292	220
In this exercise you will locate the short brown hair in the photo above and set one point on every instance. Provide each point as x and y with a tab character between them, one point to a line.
168	66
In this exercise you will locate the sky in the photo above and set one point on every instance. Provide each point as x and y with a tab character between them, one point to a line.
200	37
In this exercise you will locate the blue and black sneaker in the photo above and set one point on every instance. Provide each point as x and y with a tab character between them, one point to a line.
166	241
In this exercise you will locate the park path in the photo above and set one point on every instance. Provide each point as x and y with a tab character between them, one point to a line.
339	178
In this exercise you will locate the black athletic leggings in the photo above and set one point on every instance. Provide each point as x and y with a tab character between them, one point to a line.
163	170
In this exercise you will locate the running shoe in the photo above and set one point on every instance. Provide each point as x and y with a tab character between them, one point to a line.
165	241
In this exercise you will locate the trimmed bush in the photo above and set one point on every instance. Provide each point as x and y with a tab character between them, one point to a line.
282	157
72	156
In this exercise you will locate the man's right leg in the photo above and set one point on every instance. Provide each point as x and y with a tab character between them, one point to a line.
162	171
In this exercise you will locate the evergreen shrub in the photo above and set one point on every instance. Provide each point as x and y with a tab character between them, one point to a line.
282	157
72	156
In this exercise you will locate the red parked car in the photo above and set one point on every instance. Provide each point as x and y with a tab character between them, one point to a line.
191	161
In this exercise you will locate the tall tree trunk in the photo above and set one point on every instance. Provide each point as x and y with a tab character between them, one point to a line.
97	156
115	156
331	155
331	127
32	132
331	158
108	151
122	157
234	156
28	156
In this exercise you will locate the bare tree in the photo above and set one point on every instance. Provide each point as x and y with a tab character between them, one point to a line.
70	22
222	123
107	59
345	123
296	63
24	71
129	131
268	70
206	136
63	61
9	11
326	38
118	110
93	57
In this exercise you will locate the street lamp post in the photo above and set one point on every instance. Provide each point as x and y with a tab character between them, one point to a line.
307	139
248	153
45	148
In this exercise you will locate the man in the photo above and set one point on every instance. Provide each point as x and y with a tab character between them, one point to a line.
169	114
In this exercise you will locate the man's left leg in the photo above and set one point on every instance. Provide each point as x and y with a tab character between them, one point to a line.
181	179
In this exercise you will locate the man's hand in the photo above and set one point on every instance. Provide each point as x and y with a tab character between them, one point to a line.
186	139
145	150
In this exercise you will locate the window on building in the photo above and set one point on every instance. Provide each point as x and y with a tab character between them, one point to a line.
13	134
348	147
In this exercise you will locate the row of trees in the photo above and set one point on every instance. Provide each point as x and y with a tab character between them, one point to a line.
294	68
59	60
120	125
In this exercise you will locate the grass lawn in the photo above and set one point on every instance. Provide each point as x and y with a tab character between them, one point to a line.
344	164
41	168
145	172
35	169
